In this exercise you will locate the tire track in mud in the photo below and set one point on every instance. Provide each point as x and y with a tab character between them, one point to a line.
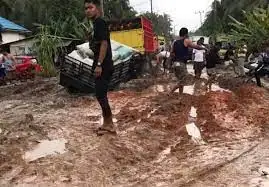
204	173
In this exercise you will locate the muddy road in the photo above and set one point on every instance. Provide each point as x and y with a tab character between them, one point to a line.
202	137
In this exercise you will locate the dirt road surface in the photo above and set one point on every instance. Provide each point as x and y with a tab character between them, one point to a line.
201	138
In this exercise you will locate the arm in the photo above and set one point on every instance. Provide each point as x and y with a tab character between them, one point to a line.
103	51
158	58
172	52
13	60
193	55
102	36
260	63
188	43
251	58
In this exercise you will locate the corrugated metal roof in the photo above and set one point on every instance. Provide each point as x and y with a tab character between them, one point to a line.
10	26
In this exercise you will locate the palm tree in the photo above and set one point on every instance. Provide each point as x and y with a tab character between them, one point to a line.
218	18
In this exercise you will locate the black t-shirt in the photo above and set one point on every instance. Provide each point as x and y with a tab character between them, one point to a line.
101	33
181	51
212	58
229	54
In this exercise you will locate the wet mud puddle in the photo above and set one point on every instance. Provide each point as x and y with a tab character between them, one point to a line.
45	148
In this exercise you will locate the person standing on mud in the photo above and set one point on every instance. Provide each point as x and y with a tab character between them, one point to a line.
198	57
99	42
212	58
163	58
260	70
180	52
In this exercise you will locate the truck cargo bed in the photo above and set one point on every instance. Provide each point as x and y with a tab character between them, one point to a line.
79	76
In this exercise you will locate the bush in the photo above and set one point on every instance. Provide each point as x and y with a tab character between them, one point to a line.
254	31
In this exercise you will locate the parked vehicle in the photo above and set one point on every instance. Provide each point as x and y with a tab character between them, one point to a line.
77	72
26	68
136	33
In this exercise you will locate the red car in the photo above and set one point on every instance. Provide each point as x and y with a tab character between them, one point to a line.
25	68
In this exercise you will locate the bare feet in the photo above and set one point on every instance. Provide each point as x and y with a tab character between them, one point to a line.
107	128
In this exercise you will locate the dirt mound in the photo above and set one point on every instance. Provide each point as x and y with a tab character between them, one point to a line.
230	83
248	93
221	113
153	146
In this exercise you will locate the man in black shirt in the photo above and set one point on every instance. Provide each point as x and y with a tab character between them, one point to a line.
212	58
103	65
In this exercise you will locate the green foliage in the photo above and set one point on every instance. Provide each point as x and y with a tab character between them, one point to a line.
4	7
71	27
118	9
254	30
46	47
31	12
217	20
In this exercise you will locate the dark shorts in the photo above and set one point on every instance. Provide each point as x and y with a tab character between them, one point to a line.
2	72
198	66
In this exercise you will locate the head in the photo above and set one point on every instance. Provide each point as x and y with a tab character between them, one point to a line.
167	47
92	8
183	32
218	46
255	52
230	46
202	40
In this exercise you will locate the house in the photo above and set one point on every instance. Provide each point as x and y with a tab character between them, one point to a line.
27	46
10	32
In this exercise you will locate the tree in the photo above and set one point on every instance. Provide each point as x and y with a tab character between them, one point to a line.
218	18
254	30
31	12
5	7
118	9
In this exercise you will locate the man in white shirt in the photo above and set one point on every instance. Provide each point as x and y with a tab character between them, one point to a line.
198	58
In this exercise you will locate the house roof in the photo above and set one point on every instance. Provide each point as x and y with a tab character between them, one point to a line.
6	25
33	38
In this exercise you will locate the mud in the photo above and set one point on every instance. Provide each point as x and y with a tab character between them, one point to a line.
163	140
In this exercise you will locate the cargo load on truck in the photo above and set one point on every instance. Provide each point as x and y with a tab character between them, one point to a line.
77	70
136	33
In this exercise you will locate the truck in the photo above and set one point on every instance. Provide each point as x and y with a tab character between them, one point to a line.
77	69
136	34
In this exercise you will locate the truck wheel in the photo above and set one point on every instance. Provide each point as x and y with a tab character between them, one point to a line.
147	65
72	90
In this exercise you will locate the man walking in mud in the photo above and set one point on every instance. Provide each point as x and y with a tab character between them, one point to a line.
179	53
212	58
103	65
